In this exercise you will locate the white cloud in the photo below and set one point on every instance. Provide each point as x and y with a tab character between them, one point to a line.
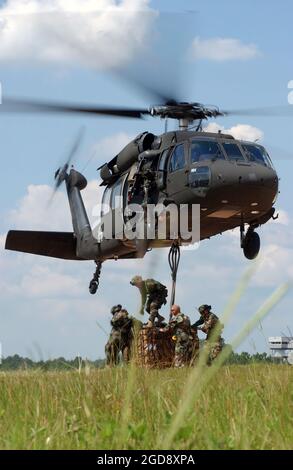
94	33
240	131
44	282
35	213
108	147
223	49
2	242
276	265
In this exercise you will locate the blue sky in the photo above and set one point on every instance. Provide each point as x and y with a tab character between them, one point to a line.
44	304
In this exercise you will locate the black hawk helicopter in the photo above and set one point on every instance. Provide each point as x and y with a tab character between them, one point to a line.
234	182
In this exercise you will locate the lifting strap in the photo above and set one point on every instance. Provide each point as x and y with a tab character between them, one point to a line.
174	258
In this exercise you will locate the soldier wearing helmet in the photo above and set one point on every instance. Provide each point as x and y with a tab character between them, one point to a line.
153	296
121	336
204	311
213	328
116	309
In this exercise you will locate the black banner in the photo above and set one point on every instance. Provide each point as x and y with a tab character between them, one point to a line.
133	459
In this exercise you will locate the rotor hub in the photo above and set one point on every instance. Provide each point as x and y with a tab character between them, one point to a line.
187	112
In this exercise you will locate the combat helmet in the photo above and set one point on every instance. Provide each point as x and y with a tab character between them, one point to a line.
116	309
204	307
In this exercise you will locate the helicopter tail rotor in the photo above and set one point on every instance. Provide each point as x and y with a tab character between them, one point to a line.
61	173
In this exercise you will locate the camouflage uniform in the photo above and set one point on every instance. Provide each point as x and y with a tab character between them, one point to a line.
214	341
120	337
153	296
180	324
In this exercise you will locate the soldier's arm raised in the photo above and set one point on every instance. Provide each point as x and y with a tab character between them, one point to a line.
198	323
143	294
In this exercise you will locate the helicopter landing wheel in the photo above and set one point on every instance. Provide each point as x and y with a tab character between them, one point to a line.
251	244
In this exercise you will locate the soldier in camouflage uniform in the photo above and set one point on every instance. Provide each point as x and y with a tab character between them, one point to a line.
213	328
180	327
121	336
153	296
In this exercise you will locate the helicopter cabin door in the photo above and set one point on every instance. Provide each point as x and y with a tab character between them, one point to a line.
177	174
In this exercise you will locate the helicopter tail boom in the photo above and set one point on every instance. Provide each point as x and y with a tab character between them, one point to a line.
87	247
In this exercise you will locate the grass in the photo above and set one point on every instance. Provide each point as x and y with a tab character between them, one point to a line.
241	407
217	407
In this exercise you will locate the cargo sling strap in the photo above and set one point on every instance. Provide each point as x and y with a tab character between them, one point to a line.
174	258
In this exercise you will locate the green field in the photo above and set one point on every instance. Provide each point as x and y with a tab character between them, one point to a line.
241	407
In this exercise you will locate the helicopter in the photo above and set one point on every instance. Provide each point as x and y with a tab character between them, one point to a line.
233	181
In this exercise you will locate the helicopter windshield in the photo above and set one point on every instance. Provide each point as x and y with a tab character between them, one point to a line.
233	151
205	150
257	154
177	161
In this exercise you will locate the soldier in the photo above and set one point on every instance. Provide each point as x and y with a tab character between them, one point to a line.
213	328
180	327
120	337
153	296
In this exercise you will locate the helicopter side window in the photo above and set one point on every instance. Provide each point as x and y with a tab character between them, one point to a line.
205	150
162	169
177	161
233	151
257	154
116	195
106	201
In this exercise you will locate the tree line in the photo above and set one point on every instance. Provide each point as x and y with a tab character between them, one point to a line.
17	362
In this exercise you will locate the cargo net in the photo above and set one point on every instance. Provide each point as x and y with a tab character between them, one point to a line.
155	349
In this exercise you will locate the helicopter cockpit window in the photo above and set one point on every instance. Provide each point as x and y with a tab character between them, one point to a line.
233	151
177	161
205	150
257	154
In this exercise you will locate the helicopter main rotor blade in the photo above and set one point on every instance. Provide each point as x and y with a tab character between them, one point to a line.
270	111
146	87
35	106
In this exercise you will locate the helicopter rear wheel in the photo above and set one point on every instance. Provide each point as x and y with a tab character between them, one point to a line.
93	287
94	283
251	244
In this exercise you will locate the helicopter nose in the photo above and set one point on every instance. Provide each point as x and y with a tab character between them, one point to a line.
267	188
271	180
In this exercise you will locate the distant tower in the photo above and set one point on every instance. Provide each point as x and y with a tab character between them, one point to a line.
281	348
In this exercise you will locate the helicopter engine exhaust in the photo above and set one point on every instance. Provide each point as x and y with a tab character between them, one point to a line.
127	156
